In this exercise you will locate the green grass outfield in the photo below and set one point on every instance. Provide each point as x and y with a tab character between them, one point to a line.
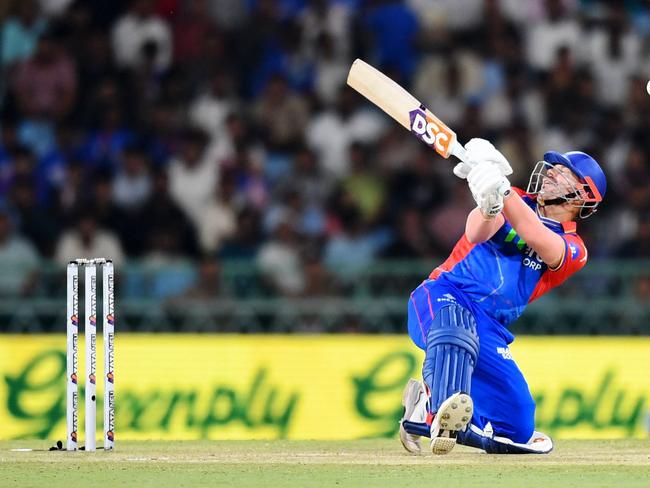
316	463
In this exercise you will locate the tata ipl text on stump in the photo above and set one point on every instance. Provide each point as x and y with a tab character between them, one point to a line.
90	331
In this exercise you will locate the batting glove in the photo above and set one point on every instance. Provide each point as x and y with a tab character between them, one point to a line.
478	151
488	187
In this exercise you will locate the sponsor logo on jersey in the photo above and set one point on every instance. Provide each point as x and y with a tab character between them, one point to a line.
447	297
504	352
531	259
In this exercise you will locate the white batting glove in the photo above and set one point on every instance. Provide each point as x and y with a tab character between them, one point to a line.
490	205
479	151
488	187
487	178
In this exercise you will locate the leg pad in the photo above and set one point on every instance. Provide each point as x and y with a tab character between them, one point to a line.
451	353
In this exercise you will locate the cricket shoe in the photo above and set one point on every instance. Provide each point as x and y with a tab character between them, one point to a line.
453	416
414	401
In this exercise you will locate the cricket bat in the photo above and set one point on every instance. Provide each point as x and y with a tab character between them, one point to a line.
405	109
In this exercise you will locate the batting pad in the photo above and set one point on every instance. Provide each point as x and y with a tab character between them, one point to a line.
451	352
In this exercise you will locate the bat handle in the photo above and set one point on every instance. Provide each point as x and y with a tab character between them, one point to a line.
458	150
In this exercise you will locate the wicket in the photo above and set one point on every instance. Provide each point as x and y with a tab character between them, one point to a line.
90	332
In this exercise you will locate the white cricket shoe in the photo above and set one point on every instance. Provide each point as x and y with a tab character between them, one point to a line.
453	416
414	401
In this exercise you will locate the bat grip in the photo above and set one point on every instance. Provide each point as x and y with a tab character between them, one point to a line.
459	151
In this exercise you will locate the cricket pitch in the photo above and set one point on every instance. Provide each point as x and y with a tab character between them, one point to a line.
363	463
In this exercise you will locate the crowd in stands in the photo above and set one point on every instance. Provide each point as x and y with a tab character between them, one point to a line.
169	131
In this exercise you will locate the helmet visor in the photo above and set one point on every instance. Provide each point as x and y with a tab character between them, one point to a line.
551	184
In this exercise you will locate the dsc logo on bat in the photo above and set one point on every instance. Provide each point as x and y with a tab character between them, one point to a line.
430	130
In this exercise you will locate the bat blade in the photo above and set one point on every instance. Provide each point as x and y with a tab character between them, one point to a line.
403	107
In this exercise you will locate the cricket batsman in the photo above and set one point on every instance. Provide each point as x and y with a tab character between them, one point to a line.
516	247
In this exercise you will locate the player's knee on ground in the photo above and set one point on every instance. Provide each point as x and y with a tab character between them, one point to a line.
521	424
451	352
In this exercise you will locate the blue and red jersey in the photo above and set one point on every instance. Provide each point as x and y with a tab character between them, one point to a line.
503	275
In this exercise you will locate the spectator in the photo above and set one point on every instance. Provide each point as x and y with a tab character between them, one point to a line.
331	71
18	260
208	285
411	241
281	263
87	240
393	27
331	132
546	37
103	145
218	222
364	185
20	33
639	246
71	191
211	109
160	133
193	175
441	83
140	31
423	178
328	23
446	223
52	167
319	282
95	61
167	268
248	127
614	53
132	183
191	26
352	250
46	84
18	163
40	224
159	212
307	179
108	214
280	115
252	183
54	8
246	241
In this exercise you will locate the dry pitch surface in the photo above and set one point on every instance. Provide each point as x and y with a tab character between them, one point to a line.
312	463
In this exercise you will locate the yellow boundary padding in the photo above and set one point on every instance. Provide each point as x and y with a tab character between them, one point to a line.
308	387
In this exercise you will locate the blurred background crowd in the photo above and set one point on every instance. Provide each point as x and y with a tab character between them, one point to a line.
212	149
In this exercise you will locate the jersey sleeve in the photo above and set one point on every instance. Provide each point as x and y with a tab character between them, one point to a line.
574	259
575	256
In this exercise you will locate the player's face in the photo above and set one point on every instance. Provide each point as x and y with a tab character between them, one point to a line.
557	182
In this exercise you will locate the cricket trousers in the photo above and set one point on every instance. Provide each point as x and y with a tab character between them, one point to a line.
498	388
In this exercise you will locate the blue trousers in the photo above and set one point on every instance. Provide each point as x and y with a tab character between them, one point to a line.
498	388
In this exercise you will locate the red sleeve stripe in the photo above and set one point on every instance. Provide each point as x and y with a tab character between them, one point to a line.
570	264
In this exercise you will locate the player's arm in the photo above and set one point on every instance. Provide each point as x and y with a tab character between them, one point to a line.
490	188
480	228
491	191
548	245
486	219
